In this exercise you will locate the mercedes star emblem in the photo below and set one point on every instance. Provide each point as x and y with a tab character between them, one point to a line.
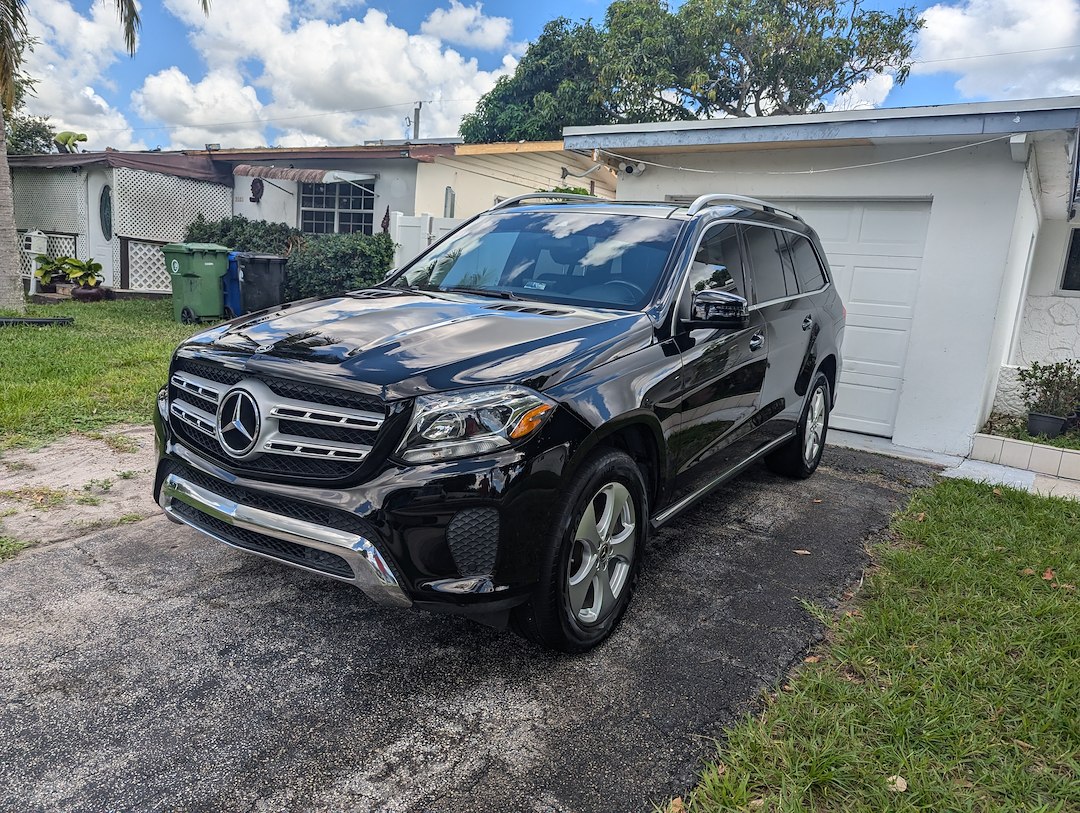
238	422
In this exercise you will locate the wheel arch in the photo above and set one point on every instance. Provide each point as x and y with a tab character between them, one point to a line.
828	367
641	437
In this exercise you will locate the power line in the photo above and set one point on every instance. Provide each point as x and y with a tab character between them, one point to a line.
214	125
999	53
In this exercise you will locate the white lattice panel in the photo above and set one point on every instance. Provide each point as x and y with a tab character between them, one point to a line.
49	200
60	245
160	207
146	267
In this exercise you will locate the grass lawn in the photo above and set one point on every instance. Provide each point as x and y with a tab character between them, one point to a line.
104	369
956	674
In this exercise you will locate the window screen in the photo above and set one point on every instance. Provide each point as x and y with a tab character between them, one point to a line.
337	207
1071	280
808	270
767	267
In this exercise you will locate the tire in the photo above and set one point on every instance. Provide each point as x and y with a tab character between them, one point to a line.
800	458
570	610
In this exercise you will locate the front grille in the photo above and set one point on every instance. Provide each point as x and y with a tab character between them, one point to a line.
314	558
310	432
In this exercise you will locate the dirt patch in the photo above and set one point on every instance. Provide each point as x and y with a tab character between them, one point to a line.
78	484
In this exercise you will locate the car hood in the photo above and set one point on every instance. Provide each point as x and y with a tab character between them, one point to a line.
401	344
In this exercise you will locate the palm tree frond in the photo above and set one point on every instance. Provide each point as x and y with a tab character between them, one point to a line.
129	20
12	33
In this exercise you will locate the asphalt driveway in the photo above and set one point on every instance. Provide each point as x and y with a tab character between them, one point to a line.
147	668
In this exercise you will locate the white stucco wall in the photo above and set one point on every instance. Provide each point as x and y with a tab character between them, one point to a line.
951	360
1050	327
395	187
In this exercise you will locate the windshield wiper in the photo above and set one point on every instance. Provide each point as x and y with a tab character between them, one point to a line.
493	292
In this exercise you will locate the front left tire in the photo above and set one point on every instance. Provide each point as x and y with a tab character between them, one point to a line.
590	564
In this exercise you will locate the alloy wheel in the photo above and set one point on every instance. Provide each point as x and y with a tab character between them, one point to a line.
815	427
602	554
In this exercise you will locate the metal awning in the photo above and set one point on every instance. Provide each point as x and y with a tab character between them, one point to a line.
303	175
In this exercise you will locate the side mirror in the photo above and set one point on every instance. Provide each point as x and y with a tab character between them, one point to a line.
718	310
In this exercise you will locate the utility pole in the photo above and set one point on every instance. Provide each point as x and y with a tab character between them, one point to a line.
416	121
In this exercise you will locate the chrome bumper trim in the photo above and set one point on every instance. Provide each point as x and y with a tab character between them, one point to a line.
371	573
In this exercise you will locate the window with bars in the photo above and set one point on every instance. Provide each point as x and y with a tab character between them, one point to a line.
326	208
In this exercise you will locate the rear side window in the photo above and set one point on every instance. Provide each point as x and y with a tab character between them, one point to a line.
766	263
808	268
717	264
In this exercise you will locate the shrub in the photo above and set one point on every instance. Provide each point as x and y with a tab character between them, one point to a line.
1052	389
240	234
334	263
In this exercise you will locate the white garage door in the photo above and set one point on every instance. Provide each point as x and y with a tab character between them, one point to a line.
875	250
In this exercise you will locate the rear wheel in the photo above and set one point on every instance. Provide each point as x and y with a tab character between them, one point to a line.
800	457
590	563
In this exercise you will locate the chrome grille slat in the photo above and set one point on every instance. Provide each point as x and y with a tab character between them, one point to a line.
328	450
194	417
196	385
315	413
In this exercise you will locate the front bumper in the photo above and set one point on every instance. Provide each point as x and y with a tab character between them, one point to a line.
369	570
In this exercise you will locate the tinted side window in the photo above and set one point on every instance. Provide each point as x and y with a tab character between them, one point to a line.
718	262
767	268
783	244
808	270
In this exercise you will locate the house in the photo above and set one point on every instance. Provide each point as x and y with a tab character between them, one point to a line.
950	231
120	207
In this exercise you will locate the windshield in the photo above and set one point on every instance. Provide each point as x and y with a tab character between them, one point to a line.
580	258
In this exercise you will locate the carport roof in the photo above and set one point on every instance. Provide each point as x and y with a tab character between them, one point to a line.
838	127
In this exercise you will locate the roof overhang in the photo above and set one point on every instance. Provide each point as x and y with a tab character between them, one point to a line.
976	121
181	165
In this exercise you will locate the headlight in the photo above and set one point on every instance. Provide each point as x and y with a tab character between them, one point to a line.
450	425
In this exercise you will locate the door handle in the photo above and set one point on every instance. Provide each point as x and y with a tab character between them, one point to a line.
757	341
807	322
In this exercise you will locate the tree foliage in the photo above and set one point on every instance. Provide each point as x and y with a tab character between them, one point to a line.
708	58
25	134
553	87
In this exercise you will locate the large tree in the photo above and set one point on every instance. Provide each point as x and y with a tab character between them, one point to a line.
707	58
26	134
13	39
554	86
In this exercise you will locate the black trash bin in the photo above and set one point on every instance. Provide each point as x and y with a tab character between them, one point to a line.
262	280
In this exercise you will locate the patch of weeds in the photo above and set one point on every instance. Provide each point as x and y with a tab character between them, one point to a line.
88	499
127	519
41	497
104	486
16	465
949	683
9	546
121	444
127	474
9	512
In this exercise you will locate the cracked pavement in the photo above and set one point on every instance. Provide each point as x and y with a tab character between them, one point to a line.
147	667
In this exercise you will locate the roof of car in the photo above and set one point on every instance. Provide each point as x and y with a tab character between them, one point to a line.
658	209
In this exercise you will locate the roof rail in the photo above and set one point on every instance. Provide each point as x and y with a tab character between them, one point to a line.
502	204
742	200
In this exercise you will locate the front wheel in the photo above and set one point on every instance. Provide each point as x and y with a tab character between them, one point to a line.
590	564
800	457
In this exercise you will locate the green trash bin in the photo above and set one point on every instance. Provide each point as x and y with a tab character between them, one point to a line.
195	270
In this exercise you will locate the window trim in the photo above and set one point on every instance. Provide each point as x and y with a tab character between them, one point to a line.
824	266
1060	289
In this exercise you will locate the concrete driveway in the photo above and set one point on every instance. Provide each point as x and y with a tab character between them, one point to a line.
147	668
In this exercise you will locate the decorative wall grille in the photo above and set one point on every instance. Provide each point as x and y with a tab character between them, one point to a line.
60	245
49	200
160	207
146	267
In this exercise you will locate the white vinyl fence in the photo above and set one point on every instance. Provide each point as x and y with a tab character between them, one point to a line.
414	233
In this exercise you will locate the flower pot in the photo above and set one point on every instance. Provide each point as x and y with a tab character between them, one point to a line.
1046	425
63	287
88	293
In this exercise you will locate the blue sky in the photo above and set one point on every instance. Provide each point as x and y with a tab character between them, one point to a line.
264	72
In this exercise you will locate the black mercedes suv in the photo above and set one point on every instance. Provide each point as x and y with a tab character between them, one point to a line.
494	429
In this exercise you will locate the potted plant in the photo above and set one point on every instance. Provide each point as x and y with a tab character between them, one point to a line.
1051	394
49	271
86	277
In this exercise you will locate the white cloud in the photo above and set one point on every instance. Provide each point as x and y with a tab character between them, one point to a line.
975	28
221	98
866	95
71	57
468	26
